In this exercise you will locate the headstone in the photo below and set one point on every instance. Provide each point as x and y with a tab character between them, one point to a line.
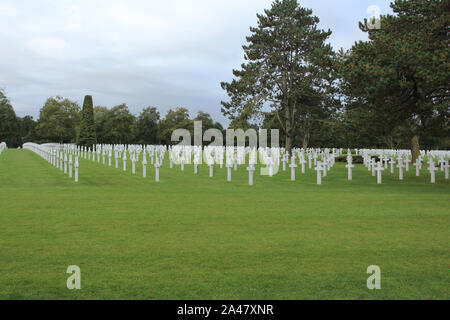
133	163
303	162
61	161
392	163
77	165
432	168
65	163
211	169
144	167
407	161
70	166
319	169
373	167
229	166
418	166
250	169
379	169
293	165
446	167
400	168
349	167
157	165
284	160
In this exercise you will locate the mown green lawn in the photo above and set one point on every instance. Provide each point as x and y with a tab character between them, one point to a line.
195	237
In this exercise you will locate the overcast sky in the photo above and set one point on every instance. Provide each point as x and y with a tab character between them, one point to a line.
141	52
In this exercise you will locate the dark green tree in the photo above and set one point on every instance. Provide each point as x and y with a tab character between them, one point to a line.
121	125
87	135
175	119
101	115
147	126
288	62
59	120
403	71
28	129
9	125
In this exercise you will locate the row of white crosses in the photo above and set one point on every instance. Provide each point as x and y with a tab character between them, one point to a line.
322	159
57	156
402	159
2	147
125	152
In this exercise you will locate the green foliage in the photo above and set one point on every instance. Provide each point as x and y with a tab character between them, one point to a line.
28	129
147	126
289	68
175	119
121	125
101	115
9	123
87	135
58	120
402	72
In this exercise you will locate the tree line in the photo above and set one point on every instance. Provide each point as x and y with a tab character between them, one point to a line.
391	91
61	120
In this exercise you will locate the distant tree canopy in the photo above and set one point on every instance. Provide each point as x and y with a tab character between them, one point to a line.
59	120
391	91
9	124
289	69
401	76
147	126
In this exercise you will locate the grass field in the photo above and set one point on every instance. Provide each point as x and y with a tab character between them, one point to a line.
195	237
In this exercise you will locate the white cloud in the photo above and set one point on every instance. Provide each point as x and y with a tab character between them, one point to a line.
8	10
73	18
51	47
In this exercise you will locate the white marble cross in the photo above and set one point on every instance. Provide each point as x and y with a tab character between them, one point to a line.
293	166
319	169
400	168
250	169
302	163
446	167
61	160
373	166
349	167
392	163
379	170
284	160
157	165
144	167
65	163
211	169
229	166
418	166
77	165
70	166
133	163
432	168
407	161
124	161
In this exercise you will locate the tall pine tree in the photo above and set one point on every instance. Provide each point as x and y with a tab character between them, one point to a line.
288	63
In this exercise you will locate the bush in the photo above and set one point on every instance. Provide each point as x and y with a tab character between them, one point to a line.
356	159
